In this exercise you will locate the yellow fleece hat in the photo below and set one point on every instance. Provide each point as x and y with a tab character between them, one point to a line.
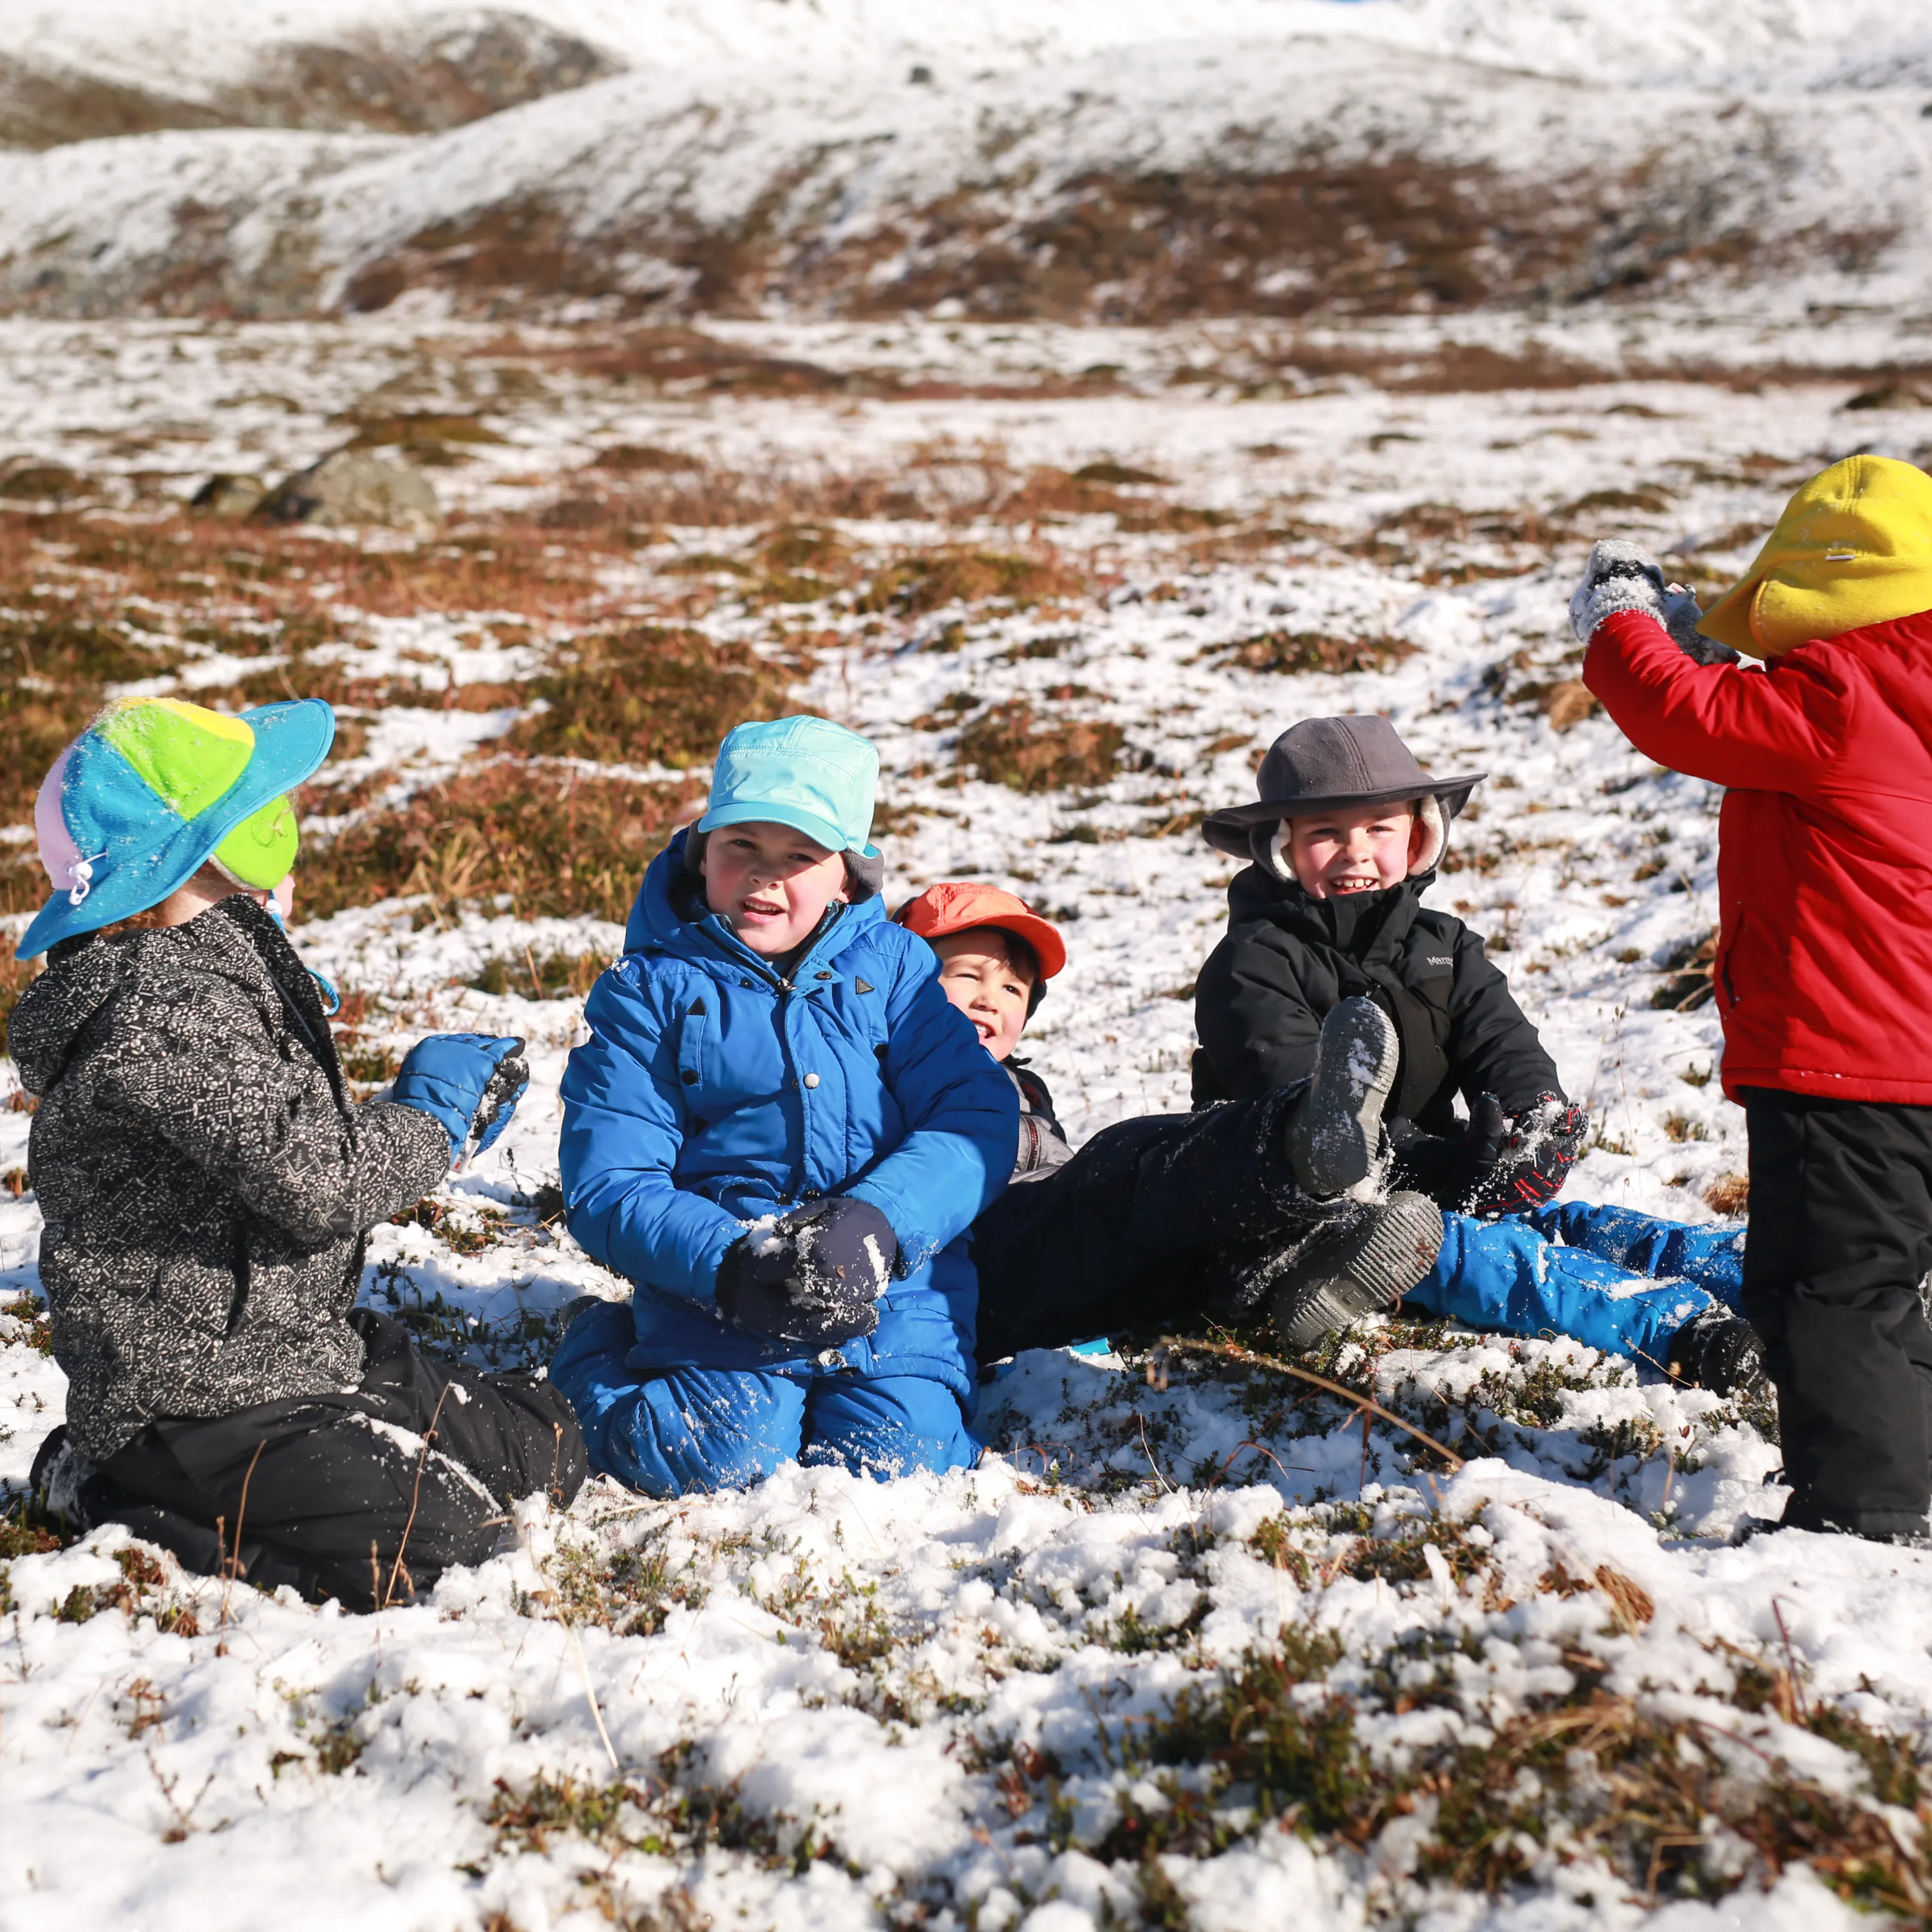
1854	547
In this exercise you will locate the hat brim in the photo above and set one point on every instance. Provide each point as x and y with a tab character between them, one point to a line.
1047	946
1232	823
292	739
819	831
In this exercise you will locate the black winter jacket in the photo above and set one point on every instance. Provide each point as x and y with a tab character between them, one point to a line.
205	1180
1287	958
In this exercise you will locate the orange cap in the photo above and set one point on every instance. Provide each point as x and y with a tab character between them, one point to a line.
958	905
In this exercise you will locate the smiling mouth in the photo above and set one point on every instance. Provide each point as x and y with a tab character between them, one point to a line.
1351	885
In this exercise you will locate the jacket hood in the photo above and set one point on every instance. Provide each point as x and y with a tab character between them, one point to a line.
84	973
1351	922
80	978
656	920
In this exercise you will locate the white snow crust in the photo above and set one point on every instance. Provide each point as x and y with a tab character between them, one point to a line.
843	1672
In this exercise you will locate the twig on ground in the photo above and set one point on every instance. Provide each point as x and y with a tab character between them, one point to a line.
1790	1660
1234	1352
231	1560
415	1497
1146	1451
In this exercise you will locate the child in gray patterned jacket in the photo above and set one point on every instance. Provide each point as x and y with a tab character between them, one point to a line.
207	1185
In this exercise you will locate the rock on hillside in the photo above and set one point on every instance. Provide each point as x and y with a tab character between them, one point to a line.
436	74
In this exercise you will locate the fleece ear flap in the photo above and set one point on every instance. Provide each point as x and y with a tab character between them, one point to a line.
1436	841
865	875
1267	845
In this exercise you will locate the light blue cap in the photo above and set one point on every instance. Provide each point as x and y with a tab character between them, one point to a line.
806	773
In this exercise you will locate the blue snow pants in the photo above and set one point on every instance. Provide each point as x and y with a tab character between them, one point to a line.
1616	1280
675	1432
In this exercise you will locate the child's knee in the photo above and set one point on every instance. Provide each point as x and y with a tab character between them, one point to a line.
889	1426
693	1430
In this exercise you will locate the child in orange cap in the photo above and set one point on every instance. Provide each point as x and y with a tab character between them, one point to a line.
1824	963
996	954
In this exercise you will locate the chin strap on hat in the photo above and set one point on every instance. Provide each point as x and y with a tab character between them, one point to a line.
81	871
331	999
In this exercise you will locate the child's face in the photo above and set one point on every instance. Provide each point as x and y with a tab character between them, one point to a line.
770	884
1360	851
978	975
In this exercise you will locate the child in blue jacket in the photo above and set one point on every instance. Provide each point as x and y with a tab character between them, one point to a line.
780	1131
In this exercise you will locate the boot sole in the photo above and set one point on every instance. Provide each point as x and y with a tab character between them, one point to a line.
1358	1269
1335	1136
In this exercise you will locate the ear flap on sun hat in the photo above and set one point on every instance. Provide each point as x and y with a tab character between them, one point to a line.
139	802
261	850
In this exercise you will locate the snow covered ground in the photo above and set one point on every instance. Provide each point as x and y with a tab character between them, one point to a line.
1194	1645
1089	161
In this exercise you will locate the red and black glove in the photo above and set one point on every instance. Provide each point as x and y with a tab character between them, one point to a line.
1536	1155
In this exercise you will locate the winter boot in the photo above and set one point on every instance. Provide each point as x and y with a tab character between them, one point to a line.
1365	1263
1718	1351
1336	1144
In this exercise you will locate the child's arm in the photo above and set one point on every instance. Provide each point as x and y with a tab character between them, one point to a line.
1255	1024
962	1112
623	1125
1768	731
209	1082
1492	1046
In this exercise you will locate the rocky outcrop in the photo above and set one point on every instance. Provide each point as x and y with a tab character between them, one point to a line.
356	489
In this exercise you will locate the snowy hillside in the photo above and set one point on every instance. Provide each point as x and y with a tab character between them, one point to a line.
1196	1646
1142	162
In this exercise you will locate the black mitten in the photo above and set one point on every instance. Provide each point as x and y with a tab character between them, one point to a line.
1452	1169
1541	1148
813	1277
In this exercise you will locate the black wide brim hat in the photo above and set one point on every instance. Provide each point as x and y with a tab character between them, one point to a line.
1334	764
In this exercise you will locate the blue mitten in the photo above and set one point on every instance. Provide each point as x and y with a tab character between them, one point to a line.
470	1082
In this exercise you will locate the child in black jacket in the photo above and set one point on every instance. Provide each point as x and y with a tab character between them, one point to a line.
1344	841
1157	1222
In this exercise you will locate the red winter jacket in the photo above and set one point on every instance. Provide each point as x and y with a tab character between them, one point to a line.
1824	965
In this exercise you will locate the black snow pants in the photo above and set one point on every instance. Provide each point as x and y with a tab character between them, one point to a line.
1154	1224
1840	1240
337	1494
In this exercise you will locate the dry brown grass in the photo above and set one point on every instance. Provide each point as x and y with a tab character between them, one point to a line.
651	694
1011	745
1298	652
553	840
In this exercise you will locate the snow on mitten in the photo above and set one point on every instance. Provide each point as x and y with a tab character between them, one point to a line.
1682	616
1542	1148
813	1277
1450	1169
1619	577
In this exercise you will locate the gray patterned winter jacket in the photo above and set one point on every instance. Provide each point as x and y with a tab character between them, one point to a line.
205	1181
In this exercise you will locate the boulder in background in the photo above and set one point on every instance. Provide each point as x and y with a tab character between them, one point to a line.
356	489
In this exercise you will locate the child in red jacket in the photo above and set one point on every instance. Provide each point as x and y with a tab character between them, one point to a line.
1824	962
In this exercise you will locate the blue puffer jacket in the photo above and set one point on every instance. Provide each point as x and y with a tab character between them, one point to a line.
711	1092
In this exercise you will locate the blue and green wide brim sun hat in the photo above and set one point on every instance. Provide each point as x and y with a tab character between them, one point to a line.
144	797
806	773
